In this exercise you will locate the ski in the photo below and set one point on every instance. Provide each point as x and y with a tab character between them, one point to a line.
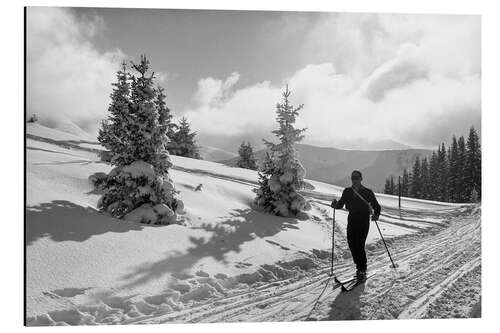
344	281
351	285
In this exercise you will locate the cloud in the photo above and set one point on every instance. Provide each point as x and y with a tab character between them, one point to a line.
68	79
415	79
396	73
212	91
362	78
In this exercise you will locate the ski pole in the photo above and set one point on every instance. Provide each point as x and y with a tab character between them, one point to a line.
333	240
383	240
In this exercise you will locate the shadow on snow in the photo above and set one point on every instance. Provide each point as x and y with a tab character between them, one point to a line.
61	220
243	225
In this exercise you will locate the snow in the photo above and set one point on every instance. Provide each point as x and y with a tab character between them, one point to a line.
54	134
138	169
84	267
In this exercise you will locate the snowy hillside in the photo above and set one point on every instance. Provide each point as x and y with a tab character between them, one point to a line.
227	261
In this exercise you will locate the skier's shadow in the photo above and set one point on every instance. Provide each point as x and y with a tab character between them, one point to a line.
347	305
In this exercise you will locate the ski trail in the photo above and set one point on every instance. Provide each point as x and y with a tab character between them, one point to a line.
430	264
417	308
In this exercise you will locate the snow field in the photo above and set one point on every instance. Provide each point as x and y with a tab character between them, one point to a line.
84	267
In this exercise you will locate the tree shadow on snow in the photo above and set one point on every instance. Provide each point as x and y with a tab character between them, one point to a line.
347	305
62	220
243	225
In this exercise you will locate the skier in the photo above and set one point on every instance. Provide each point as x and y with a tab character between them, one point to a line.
361	203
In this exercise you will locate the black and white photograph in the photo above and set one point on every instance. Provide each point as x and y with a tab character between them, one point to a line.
220	166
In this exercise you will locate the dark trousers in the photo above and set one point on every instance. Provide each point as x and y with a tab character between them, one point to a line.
358	225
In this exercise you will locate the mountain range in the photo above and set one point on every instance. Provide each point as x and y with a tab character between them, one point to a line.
334	166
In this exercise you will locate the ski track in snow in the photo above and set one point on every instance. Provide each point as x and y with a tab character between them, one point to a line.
438	276
424	286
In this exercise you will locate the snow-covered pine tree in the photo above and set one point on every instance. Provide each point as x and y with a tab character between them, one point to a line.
281	175
246	157
167	126
114	133
139	187
184	142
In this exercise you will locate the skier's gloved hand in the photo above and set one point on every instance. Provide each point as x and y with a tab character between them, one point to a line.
374	217
334	203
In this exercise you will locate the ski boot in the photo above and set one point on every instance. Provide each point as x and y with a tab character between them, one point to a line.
361	275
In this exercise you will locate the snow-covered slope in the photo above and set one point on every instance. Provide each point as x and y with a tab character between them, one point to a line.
84	267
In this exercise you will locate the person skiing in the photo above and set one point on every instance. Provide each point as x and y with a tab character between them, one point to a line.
361	203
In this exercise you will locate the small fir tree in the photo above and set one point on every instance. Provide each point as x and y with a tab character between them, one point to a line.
246	157
281	175
184	142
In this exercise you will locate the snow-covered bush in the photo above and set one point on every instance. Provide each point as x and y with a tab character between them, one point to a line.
281	174
135	134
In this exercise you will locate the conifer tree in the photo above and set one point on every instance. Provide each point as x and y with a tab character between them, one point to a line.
387	186
452	174
442	191
454	188
139	187
392	186
462	153
425	180
246	157
114	134
281	175
184	142
472	166
415	182
405	180
433	176
167	126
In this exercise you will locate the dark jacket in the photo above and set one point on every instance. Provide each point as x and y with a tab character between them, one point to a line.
354	204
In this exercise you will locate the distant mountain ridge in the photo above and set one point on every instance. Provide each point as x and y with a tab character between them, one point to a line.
215	154
334	166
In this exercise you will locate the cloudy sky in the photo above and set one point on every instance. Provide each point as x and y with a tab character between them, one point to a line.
365	80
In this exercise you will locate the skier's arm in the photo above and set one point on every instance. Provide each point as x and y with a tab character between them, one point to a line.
339	204
375	205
